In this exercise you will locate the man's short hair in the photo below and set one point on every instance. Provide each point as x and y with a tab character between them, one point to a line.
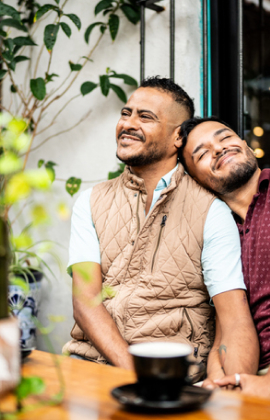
189	125
167	85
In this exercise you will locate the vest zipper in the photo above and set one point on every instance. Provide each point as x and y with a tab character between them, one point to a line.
162	224
137	214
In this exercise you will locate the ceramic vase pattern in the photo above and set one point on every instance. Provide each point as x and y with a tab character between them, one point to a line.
25	307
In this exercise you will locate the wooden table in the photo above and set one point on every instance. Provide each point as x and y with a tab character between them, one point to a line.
87	395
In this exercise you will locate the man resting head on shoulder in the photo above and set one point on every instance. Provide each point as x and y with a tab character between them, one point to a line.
215	156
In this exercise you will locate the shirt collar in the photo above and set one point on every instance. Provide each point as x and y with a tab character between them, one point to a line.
165	181
264	176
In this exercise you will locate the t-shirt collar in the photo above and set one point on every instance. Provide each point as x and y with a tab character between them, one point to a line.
165	181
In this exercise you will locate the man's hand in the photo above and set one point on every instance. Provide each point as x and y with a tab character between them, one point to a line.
93	318
249	384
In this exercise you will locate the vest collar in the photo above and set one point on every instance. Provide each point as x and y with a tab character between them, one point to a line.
134	182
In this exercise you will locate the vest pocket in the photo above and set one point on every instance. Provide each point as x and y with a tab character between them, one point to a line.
162	225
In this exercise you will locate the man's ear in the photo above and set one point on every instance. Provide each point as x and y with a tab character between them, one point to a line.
178	138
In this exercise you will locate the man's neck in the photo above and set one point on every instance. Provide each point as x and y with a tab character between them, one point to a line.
240	199
151	174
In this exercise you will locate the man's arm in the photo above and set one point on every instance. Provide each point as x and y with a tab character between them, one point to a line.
214	368
93	318
239	345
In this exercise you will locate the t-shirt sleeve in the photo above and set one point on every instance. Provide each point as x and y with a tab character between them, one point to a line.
221	254
84	244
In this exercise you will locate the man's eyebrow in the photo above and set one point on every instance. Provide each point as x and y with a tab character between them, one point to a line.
221	130
197	149
126	108
141	111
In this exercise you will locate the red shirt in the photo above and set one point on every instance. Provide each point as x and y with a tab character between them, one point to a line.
255	241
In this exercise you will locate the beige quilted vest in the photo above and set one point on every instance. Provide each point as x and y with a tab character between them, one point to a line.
153	263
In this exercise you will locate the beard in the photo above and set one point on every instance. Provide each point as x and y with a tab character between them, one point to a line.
239	175
147	157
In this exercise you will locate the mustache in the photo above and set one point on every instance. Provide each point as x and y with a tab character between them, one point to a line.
233	149
133	134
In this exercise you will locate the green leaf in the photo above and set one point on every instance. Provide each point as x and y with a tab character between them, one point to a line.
49	77
13	89
119	92
28	386
9	44
2	73
121	168
23	40
89	30
6	10
128	80
40	163
103	28
38	88
12	65
13	23
87	87
74	67
103	4
89	59
57	1
3	33
73	185
50	35
113	25
20	58
7	55
44	9
50	169
132	14
104	84
9	163
66	29
75	19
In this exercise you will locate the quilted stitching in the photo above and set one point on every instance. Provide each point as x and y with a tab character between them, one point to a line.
150	305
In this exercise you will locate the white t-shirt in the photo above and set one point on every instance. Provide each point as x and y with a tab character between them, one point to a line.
221	254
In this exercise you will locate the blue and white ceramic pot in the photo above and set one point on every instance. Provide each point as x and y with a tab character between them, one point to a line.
25	307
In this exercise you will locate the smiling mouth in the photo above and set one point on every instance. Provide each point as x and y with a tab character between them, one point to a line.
225	157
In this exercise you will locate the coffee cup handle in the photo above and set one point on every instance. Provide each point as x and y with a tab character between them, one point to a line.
189	381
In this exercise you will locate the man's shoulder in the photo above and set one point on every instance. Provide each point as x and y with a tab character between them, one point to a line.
195	189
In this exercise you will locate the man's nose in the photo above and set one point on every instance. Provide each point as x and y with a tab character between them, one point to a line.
131	123
218	148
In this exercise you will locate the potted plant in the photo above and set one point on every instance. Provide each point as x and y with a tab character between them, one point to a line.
15	185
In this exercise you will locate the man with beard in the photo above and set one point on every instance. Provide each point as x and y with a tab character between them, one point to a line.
219	160
154	236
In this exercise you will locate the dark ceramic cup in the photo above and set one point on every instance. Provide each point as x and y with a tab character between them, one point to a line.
161	368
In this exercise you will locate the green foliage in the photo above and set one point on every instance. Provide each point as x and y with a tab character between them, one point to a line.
50	36
44	9
38	88
132	12
103	4
74	67
104	84
113	25
73	185
13	23
87	87
89	30
66	29
119	92
120	170
6	10
32	385
75	19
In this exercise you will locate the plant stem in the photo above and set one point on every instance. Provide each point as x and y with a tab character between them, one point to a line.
4	263
57	134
